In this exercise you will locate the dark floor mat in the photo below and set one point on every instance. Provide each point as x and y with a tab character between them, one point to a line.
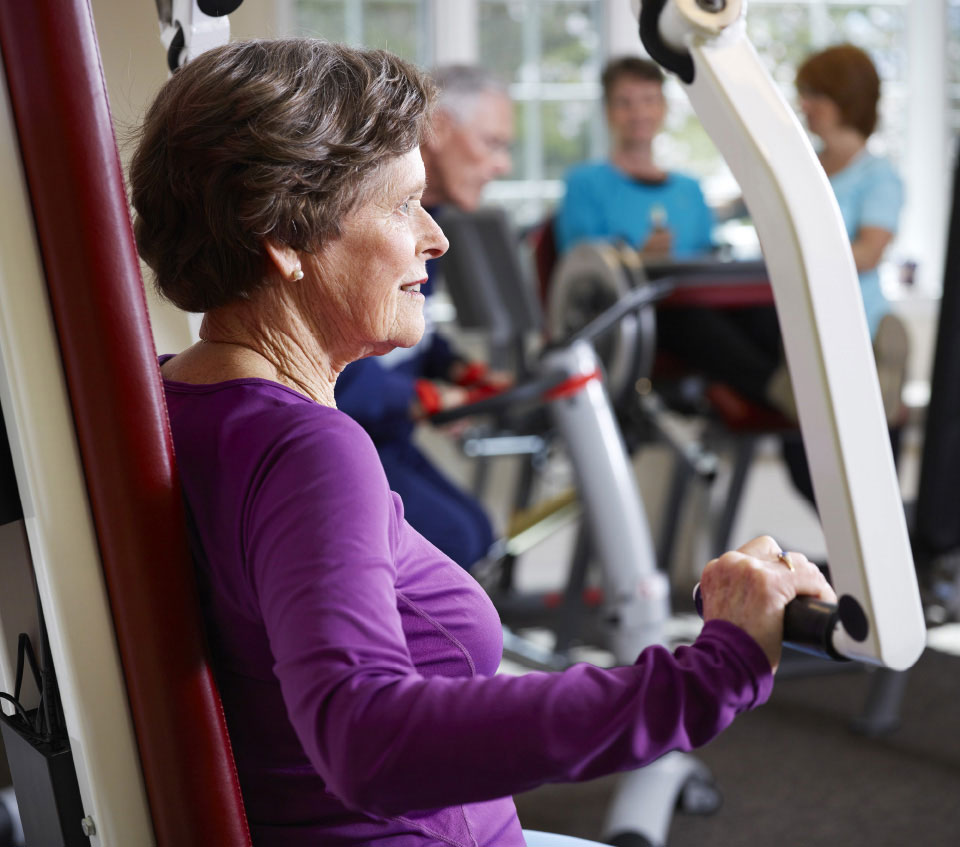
794	775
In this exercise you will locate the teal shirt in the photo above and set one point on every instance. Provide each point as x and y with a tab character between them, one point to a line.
869	193
602	202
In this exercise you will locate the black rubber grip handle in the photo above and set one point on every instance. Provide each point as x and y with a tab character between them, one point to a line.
808	624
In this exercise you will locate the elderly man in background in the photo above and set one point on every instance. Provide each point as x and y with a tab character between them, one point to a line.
468	145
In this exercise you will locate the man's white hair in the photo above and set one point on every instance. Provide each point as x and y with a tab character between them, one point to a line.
460	85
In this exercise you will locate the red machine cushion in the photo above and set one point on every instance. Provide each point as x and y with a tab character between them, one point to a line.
73	171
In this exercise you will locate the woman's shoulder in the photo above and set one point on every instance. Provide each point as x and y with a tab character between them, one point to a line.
874	166
311	445
262	416
285	417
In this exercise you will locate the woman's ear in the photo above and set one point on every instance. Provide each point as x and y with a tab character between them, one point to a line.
284	259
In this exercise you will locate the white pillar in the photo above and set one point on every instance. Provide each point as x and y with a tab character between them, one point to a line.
622	30
928	164
456	39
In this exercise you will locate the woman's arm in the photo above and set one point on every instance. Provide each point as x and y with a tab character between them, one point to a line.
878	215
322	539
868	247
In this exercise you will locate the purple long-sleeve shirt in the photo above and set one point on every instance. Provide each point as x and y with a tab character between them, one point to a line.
356	662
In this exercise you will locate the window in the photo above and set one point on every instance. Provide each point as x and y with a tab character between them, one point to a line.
953	63
550	52
906	42
401	26
784	33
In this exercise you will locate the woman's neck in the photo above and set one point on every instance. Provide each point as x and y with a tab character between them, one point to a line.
840	147
265	338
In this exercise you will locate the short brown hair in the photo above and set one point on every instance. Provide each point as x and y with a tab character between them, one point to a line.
264	139
846	76
632	66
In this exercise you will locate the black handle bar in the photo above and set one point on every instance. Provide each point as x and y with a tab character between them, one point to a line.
809	623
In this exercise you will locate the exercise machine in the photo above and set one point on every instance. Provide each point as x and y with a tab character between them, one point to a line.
808	258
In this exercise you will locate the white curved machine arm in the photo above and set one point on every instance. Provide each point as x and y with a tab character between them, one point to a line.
825	334
188	27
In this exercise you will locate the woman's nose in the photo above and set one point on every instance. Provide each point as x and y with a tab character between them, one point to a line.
433	242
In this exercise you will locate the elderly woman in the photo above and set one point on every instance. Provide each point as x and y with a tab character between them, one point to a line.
277	187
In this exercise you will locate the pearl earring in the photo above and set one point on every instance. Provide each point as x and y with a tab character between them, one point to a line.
296	274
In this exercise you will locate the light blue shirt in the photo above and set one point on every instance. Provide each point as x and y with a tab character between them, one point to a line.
602	202
869	193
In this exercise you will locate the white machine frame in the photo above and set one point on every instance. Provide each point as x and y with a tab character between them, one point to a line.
56	535
825	334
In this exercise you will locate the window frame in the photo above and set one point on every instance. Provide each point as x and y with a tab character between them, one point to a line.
926	164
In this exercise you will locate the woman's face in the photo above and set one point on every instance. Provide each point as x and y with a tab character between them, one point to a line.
820	112
368	298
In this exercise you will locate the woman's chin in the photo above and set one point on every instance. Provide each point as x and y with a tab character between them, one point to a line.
407	335
407	338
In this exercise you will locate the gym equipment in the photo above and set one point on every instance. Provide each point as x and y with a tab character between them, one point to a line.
825	336
188	27
103	528
593	274
936	530
568	381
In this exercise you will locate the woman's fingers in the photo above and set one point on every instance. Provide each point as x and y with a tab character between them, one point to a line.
751	587
809	579
763	547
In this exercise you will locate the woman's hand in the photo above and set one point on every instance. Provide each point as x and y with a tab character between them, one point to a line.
751	586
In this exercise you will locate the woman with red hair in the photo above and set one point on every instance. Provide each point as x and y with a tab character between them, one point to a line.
839	92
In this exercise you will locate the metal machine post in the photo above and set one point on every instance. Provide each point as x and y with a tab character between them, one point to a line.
636	594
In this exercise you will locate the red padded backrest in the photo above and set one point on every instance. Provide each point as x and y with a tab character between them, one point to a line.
73	172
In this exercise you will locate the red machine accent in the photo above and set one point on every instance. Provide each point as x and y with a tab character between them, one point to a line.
428	396
571	386
73	171
729	295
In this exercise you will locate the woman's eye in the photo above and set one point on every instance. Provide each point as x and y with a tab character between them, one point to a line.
405	208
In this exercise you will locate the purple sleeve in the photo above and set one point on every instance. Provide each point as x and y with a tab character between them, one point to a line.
321	535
